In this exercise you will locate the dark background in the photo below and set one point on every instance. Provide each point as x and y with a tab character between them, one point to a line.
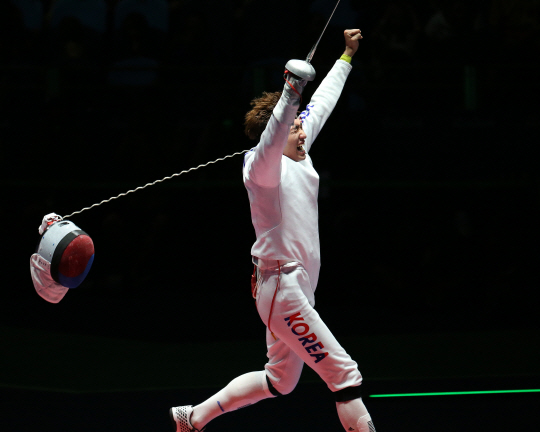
429	195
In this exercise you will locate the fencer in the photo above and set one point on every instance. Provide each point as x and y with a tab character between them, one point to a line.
282	186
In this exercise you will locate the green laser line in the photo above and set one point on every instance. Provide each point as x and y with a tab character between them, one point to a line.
456	393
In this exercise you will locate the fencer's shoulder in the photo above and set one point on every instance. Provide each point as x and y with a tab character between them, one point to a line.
248	156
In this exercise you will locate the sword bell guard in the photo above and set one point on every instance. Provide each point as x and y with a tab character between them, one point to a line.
302	69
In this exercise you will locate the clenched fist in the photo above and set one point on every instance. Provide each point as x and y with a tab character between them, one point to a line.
351	41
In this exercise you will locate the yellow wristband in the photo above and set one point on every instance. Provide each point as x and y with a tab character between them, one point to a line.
346	58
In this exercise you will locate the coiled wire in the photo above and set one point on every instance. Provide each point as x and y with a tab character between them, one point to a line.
153	183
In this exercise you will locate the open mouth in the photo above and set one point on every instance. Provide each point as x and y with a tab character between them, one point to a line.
300	147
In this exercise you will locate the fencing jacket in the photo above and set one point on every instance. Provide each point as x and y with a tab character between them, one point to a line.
282	192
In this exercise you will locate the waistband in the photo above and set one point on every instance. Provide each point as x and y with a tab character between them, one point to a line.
267	264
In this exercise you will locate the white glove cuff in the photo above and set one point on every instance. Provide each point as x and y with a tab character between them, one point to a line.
47	221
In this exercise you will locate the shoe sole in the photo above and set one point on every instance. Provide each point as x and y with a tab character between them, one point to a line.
173	422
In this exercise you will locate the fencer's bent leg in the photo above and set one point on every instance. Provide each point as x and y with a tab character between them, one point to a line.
299	327
301	336
244	390
283	368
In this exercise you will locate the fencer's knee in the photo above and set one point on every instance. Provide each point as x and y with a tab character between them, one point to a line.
347	394
281	388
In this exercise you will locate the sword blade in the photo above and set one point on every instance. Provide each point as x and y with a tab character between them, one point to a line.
310	55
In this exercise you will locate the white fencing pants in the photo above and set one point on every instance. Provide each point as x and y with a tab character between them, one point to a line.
298	334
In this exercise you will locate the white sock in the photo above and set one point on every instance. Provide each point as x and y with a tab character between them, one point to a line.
354	416
245	390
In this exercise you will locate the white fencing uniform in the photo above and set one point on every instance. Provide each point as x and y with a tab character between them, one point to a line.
283	199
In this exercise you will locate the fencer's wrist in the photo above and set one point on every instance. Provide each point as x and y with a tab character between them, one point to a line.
349	51
346	58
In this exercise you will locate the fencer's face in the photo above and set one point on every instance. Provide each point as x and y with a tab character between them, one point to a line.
295	143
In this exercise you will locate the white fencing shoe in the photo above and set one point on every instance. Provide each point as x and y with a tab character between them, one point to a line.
180	418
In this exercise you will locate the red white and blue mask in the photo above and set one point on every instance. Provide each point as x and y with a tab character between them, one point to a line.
62	260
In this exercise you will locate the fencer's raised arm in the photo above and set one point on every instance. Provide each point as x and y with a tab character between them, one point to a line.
265	166
324	99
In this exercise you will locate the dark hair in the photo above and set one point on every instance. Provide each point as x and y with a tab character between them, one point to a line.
258	117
